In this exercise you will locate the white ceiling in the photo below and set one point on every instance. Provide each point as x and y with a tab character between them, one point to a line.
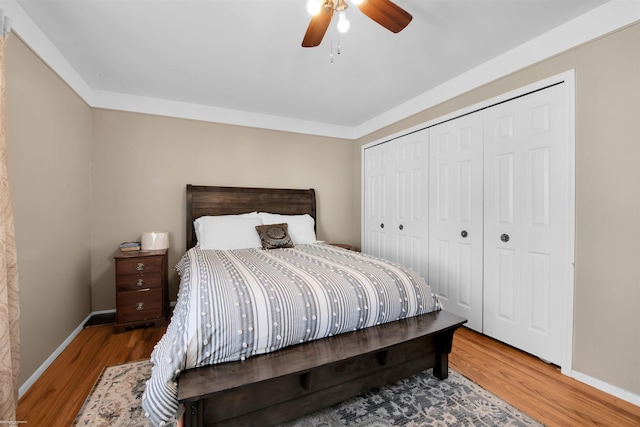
245	56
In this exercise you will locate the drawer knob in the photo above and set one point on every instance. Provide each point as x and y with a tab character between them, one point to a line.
140	306
140	266
140	282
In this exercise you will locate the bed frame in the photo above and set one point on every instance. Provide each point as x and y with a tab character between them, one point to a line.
294	381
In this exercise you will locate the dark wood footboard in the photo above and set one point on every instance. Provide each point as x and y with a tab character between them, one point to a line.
298	380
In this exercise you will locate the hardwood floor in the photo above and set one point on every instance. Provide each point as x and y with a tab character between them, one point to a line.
57	396
534	387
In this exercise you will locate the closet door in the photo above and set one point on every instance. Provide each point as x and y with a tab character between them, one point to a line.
527	188
411	203
379	193
455	217
396	202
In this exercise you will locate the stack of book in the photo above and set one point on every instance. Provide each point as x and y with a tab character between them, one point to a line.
129	246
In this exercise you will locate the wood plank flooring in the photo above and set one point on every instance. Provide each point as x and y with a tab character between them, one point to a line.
534	387
57	396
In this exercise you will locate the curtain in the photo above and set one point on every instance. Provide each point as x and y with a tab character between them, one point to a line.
9	308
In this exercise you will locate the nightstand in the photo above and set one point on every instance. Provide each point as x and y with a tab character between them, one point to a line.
141	289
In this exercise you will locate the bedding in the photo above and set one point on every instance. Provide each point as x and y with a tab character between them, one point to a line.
234	304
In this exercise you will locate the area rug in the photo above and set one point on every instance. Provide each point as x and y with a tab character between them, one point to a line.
421	400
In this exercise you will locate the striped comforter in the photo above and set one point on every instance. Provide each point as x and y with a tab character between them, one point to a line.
239	303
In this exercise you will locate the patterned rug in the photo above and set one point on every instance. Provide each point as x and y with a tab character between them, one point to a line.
421	400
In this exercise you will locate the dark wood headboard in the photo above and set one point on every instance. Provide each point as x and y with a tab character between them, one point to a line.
207	200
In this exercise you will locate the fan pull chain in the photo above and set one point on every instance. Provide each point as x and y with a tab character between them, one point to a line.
331	52
338	49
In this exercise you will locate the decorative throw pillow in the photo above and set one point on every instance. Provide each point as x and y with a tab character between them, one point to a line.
301	227
274	236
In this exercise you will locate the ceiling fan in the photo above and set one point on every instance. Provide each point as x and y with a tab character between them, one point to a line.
384	12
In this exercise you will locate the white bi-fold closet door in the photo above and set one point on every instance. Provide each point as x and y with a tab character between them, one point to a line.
456	216
527	199
498	205
499	220
396	209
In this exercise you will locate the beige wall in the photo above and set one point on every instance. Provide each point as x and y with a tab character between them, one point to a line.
49	138
607	262
142	163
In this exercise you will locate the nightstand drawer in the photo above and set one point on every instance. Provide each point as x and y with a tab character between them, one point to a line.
139	265
132	282
139	305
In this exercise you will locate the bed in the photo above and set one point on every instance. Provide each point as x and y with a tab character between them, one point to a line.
297	351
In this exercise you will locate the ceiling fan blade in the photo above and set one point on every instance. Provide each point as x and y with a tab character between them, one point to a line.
388	14
317	27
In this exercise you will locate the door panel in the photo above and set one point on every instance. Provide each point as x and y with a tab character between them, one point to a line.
377	199
410	214
526	222
396	201
455	221
505	285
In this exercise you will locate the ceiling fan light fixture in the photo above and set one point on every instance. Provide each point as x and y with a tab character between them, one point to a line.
343	22
384	12
314	7
356	2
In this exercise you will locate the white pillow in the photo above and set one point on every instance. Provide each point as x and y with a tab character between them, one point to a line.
300	227
197	224
228	232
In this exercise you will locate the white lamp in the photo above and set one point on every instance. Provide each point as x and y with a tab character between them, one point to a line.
154	240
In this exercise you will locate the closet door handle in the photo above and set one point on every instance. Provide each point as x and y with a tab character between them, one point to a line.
382	225
401	227
464	234
504	237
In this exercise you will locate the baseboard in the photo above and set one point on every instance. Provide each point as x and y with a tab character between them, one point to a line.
34	377
607	388
101	319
